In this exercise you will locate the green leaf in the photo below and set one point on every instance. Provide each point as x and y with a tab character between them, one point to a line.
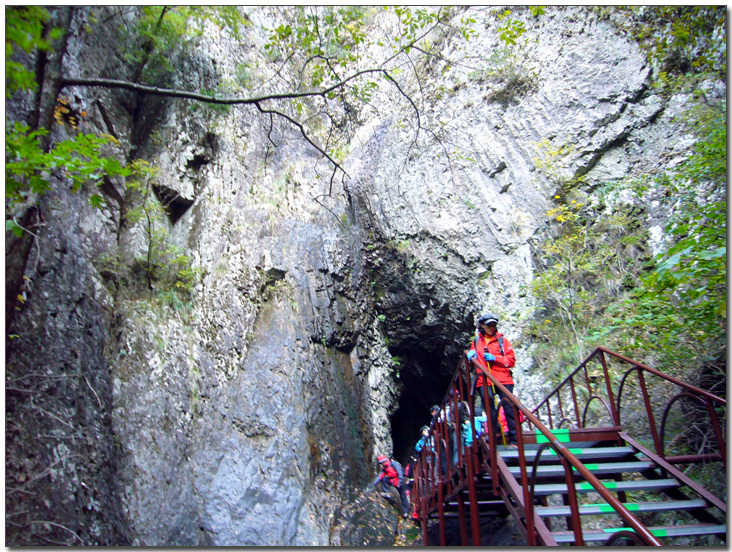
10	225
715	254
96	201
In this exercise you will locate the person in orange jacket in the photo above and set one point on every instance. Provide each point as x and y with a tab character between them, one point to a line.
494	352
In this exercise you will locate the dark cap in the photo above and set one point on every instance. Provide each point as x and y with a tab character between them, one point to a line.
487	318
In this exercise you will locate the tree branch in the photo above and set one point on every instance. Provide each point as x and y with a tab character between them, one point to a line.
416	111
174	93
336	166
40	522
258	100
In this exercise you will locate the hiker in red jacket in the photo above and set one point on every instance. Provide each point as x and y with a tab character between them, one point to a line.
392	474
494	352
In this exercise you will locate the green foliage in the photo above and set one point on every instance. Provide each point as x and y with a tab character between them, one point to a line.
683	42
412	24
165	264
587	263
217	109
466	28
243	75
156	33
510	30
323	41
691	38
28	164
160	31
556	163
28	167
507	72
536	11
227	18
683	300
598	284
24	33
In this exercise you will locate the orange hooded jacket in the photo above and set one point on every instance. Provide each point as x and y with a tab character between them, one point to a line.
501	367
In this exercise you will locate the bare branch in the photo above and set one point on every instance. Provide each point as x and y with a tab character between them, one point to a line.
419	123
317	200
278	72
174	93
271	128
44	473
337	166
413	42
56	525
257	101
95	393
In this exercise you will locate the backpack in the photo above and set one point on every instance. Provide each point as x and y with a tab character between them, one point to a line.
400	471
500	344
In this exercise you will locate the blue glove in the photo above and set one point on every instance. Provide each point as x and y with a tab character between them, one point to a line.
488	357
472	355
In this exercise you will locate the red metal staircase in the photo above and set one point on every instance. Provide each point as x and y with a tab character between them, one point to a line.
583	473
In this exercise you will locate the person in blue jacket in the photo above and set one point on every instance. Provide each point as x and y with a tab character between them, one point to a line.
425	441
479	421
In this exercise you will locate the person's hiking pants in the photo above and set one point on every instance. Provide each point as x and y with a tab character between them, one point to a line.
385	484
507	409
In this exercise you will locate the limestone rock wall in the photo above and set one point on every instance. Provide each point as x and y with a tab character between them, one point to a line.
250	411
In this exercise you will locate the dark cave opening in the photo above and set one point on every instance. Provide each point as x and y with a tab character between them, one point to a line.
428	356
427	331
425	377
174	204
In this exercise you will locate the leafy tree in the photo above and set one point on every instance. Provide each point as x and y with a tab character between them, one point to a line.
327	49
686	292
158	32
336	57
29	162
684	43
163	262
596	277
588	261
685	39
28	167
671	309
24	34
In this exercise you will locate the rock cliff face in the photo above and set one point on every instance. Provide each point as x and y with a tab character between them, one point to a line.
250	410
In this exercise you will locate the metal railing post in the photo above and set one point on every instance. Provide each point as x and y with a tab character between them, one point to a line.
609	388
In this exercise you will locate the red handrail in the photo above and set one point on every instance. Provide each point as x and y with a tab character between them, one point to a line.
433	486
639	370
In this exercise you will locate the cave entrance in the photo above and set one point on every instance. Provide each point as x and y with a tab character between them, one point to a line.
426	377
426	333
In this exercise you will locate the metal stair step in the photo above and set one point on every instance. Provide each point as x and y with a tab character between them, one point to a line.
596	469
615	486
598	453
574	435
564	537
591	509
